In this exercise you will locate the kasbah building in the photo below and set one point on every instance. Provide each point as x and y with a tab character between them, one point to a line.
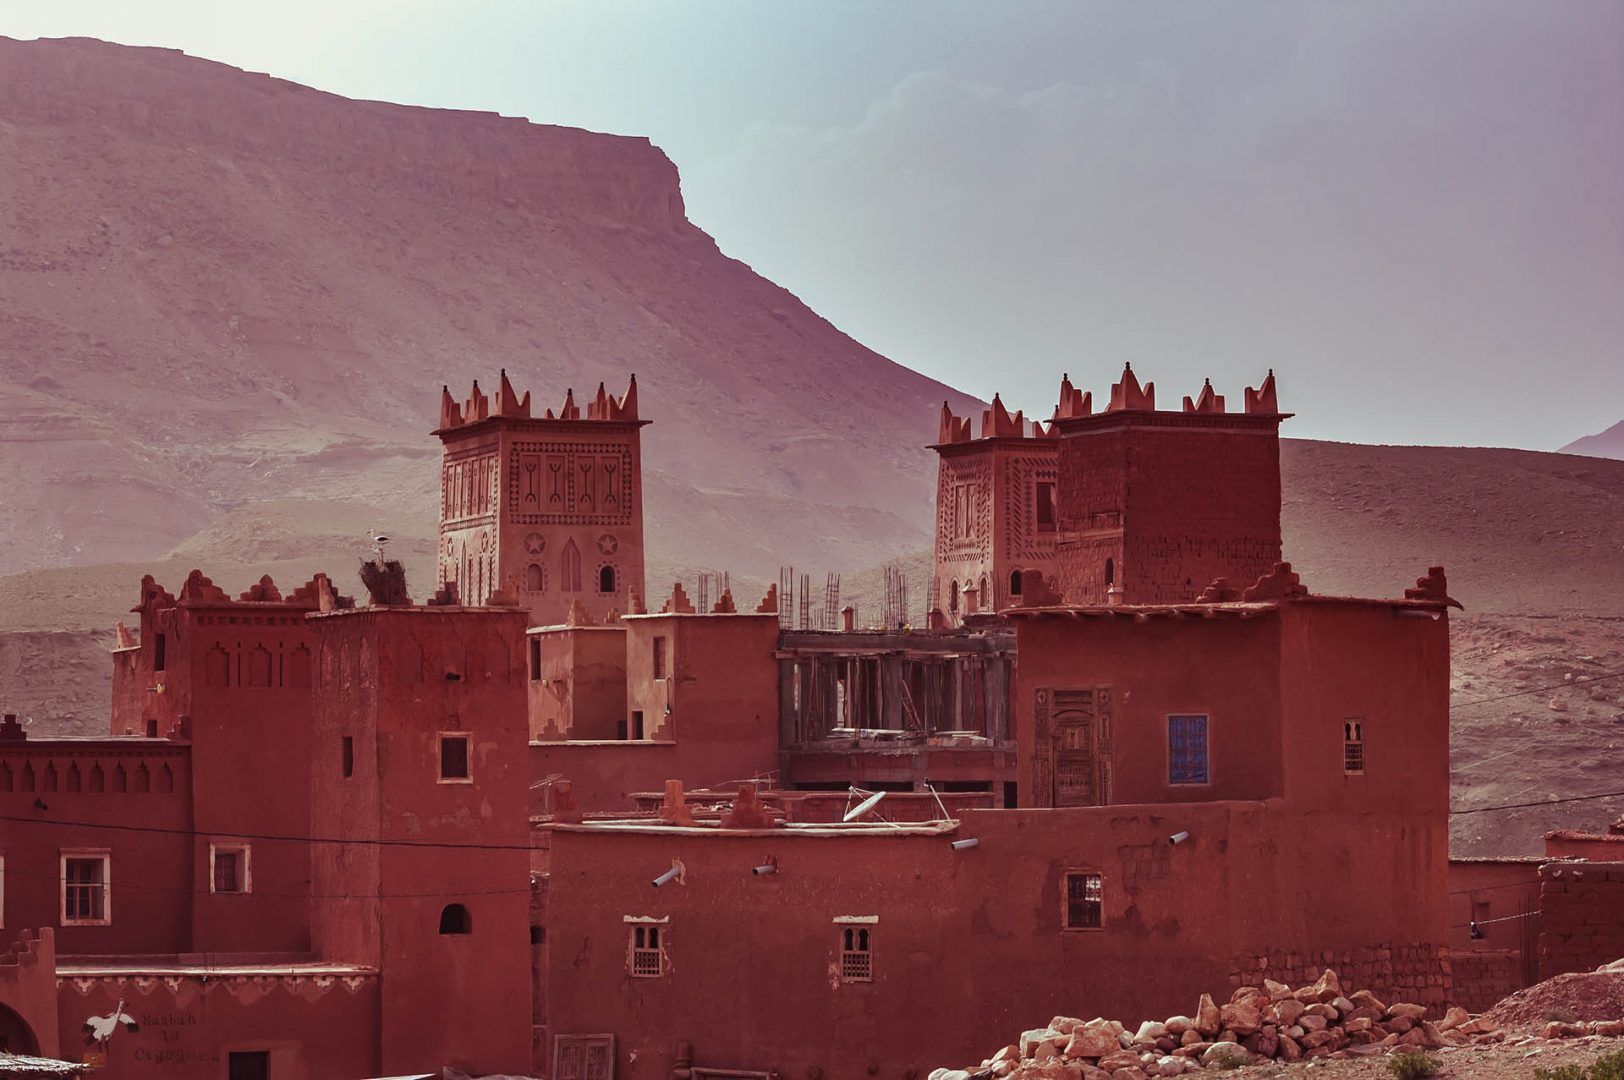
541	824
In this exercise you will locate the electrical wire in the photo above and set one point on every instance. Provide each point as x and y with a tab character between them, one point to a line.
1543	802
271	837
1585	680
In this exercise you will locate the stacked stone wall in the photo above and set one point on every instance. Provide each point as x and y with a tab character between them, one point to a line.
1581	916
1413	972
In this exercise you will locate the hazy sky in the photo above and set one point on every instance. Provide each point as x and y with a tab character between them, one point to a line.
1414	210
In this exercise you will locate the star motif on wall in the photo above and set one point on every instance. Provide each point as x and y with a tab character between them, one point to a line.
535	543
607	544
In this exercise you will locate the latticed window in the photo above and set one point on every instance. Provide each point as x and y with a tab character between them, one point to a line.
225	872
648	957
1085	901
84	889
1187	750
1353	747
454	757
228	868
856	957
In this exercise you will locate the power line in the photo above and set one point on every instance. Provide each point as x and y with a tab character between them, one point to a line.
1543	802
11	871
1487	922
269	837
1582	681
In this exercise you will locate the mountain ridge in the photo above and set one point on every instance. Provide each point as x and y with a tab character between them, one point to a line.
1607	443
220	287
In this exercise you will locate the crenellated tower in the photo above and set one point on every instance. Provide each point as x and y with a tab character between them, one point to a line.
550	506
995	510
1153	505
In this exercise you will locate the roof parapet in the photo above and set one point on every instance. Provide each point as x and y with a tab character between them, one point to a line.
477	406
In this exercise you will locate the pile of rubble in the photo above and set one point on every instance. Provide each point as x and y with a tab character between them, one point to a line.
1259	1024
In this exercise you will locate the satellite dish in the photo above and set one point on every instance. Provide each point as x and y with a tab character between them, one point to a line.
864	807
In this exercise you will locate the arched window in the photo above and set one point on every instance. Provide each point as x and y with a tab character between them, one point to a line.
454	919
1110	572
569	568
534	579
606	579
1014	583
953	598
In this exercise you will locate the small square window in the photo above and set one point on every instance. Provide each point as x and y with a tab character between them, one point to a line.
856	951
646	950
1187	750
248	1065
228	868
86	878
1085	901
454	763
1353	747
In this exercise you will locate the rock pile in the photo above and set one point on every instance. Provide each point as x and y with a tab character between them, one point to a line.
1264	1023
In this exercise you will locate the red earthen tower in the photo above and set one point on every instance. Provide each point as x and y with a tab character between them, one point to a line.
1154	505
995	510
549	506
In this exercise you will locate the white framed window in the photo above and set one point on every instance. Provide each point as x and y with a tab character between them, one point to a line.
1353	747
456	763
230	870
856	943
87	879
645	946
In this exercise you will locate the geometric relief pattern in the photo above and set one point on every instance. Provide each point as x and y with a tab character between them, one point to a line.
1022	475
964	508
569	483
468	486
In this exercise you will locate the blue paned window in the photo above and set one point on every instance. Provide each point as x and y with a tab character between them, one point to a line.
1187	750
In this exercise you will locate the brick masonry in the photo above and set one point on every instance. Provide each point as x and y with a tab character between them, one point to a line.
1581	916
1482	978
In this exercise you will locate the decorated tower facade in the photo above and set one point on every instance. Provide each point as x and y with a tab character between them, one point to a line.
547	507
995	510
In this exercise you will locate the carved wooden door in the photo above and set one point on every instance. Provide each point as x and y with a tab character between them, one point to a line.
1072	747
584	1057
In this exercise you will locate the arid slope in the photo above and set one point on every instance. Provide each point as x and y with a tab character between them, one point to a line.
218	287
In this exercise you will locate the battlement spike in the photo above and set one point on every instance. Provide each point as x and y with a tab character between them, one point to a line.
626	407
507	401
450	411
1263	400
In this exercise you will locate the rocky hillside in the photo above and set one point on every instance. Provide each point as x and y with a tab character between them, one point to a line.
217	287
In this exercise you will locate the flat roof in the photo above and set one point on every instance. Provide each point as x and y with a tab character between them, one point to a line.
1243	609
73	967
24	1065
653	827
